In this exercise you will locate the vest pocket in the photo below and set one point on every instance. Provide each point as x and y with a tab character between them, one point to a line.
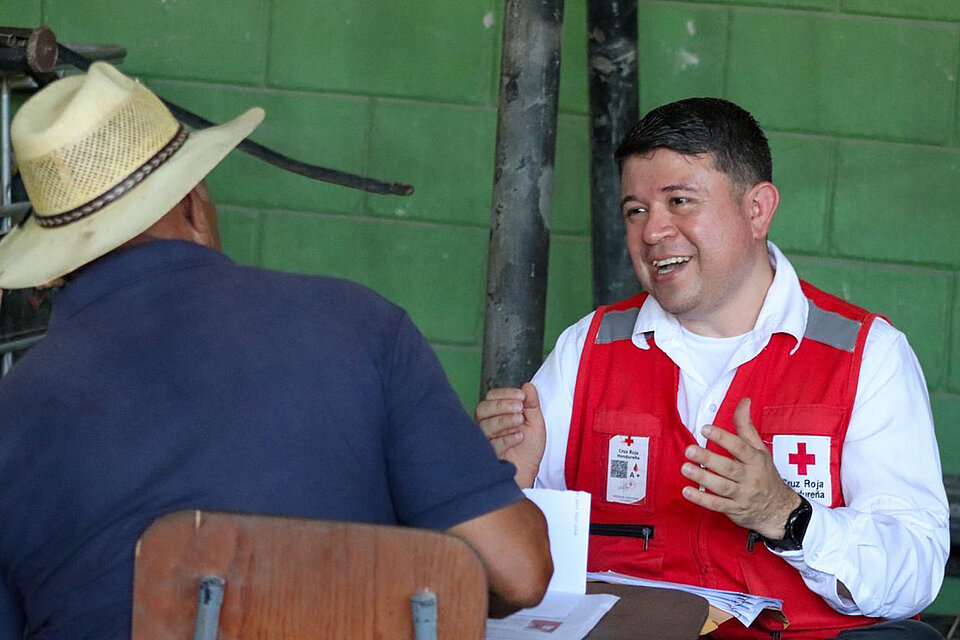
811	419
623	455
767	575
805	441
630	549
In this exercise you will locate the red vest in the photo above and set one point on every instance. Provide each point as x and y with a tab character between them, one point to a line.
626	395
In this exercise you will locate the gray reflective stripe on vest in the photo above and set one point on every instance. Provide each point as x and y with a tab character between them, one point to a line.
617	325
831	328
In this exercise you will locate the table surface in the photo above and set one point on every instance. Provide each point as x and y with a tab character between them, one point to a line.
647	612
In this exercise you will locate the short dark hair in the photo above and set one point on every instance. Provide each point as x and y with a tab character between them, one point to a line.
704	125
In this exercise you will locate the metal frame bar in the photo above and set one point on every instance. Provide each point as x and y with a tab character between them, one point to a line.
614	108
6	361
522	192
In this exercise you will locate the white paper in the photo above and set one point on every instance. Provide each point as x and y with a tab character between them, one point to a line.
575	626
566	612
742	606
568	523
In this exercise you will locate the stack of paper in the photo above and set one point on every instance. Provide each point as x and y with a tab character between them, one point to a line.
566	612
742	606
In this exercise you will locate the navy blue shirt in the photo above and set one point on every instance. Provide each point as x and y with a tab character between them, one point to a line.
172	378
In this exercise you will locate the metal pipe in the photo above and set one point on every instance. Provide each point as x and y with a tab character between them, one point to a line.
5	171
614	108
423	608
520	213
209	603
7	348
6	361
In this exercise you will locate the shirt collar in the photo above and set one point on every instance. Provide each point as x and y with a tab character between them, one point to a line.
784	310
123	267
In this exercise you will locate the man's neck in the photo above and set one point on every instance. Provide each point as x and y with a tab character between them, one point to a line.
737	315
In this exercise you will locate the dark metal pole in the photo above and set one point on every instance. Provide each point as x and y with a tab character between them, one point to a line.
522	192
614	108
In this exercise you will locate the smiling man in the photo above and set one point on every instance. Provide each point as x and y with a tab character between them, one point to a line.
738	428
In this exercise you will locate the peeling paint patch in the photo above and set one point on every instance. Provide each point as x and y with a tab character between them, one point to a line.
691	28
602	64
685	60
489	20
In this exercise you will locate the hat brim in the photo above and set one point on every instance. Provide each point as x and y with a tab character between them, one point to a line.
31	255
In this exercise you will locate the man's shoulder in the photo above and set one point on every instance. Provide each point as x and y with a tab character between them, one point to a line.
633	302
332	292
834	304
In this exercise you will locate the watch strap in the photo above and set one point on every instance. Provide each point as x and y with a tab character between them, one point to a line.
794	530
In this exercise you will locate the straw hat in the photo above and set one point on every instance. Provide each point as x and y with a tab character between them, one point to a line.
102	159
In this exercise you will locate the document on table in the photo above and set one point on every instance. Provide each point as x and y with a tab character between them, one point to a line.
742	606
566	612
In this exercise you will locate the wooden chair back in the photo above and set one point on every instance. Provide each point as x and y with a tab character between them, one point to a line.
298	579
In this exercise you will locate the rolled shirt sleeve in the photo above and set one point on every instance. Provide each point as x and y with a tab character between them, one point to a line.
889	543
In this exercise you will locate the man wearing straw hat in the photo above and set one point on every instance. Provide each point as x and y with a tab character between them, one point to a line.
172	378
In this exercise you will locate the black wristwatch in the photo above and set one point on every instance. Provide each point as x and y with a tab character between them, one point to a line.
794	530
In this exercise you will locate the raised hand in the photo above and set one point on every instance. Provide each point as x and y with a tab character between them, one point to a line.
747	486
512	421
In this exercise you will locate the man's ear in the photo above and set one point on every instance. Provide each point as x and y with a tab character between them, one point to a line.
762	200
201	217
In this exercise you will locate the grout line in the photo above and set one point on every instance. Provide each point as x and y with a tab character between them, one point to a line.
826	245
956	97
367	162
465	348
837	12
267	8
492	98
260	234
953	335
727	39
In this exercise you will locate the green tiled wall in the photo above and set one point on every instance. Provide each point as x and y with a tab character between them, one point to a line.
859	98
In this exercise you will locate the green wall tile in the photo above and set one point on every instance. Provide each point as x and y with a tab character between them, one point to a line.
948	601
946	419
217	40
925	9
20	13
240	235
824	5
571	177
437	273
953	379
682	53
462	366
877	78
445	152
896	202
569	288
574	83
416	48
324	130
802	168
915	300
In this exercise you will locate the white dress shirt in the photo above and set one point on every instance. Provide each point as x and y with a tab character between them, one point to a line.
890	542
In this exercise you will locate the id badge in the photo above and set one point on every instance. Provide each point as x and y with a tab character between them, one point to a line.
627	469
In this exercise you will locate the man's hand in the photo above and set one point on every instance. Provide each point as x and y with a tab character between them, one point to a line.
746	487
512	421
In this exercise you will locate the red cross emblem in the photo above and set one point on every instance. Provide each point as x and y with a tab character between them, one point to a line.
628	441
801	458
